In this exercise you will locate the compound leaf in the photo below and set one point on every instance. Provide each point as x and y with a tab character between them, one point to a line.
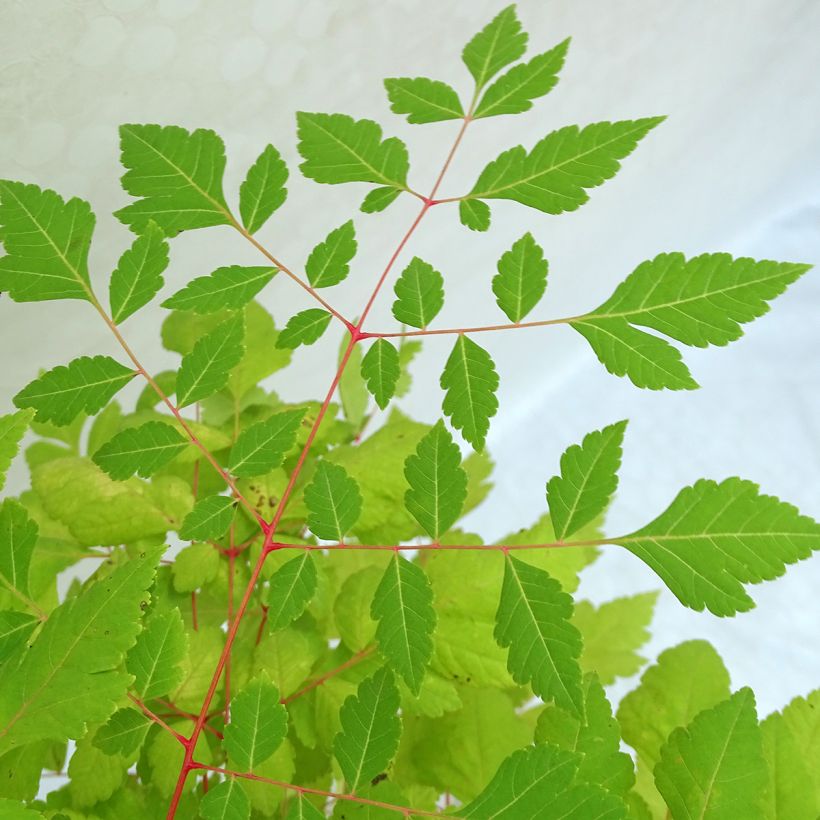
226	801
263	190
381	370
334	502
420	294
291	588
155	658
262	447
123	734
423	100
138	276
229	287
143	450
13	427
329	262
498	44
18	537
521	279
209	519
304	328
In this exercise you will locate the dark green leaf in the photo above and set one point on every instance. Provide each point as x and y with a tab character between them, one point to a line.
329	262
231	287
143	450
291	588
263	190
423	100
521	279
263	446
333	501
420	292
378	199
208	520
304	328
380	369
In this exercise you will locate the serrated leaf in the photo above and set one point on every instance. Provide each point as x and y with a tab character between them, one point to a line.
474	214
142	450
370	730
381	371
471	381
589	478
258	724
46	240
263	190
177	174
514	91
84	385
138	276
262	447
13	427
15	629
334	502
329	262
207	367
438	483
533	622
69	677
714	538
423	100
209	519
521	279
18	537
420	294
403	606
336	148
194	567
291	589
302	809
714	768
155	659
498	44
123	734
304	328
802	716
378	199
225	801
229	287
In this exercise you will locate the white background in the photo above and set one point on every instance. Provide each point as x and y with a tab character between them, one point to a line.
736	167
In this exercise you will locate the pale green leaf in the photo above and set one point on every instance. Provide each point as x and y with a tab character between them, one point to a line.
380	369
333	501
474	214
226	801
13	427
352	388
228	287
802	716
155	659
408	350
263	190
291	589
329	262
262	447
423	100
142	450
521	279
123	734
498	44
138	276
166	380
378	199
12	810
420	294
194	567
18	537
209	519
304	328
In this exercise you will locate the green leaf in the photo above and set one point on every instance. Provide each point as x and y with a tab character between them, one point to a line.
304	328
352	389
302	809
18	537
802	716
408	350
84	385
589	478
533	621
333	501
498	44
403	606
166	380
521	279
12	810
329	262
138	276
262	447
209	519
555	175
46	241
143	450
378	199
123	734
207	367
155	659
420	294
263	190
471	381
194	567
646	360
13	427
292	587
69	677
369	737
512	93
226	801
714	768
423	100
438	483
258	724
15	629
336	148
714	538
177	174
380	369
474	214
228	287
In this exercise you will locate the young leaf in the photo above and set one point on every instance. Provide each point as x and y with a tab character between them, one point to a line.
380	369
533	621
138	276
333	501
423	100
143	450
521	279
177	174
589	477
207	367
123	734
470	379
304	328
352	389
378	199
262	447
209	519
420	292
336	148
195	566
329	262
13	427
370	730
802	717
258	724
155	658
513	92
84	385
225	801
46	241
498	44
291	588
69	677
403	606
18	537
230	287
714	538
474	214
263	190
438	483
714	768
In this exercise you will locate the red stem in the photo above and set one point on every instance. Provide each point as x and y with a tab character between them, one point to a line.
593	542
157	719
